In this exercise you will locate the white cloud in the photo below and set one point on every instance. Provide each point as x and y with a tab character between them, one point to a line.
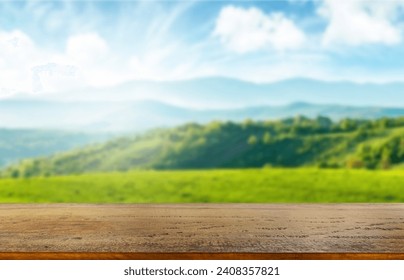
246	30
96	65
86	60
17	52
25	67
86	47
357	22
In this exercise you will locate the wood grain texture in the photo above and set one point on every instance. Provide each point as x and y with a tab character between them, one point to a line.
198	256
202	231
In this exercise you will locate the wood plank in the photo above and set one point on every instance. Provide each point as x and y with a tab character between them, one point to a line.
198	256
266	231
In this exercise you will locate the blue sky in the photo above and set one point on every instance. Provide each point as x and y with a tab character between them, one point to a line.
59	45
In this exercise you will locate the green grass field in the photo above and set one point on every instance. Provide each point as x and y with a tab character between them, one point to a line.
248	185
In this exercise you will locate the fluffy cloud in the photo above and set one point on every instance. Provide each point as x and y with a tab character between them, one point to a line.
86	60
246	30
25	67
86	48
357	22
17	53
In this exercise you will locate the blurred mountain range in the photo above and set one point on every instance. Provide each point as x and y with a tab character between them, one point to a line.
140	105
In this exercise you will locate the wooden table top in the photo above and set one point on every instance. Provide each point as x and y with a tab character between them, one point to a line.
201	230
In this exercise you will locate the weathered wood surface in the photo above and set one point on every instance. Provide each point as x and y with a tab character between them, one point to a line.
202	228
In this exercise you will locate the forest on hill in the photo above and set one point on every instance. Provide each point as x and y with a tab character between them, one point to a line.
291	142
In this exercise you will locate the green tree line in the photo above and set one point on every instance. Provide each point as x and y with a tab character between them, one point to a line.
291	142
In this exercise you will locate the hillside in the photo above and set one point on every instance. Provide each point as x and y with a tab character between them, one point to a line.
292	142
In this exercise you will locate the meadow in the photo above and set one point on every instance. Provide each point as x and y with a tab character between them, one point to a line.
264	185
